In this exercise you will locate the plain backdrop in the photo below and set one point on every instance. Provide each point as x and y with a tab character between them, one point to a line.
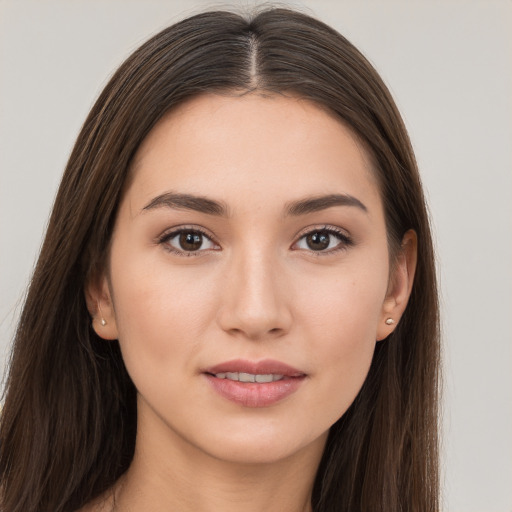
448	64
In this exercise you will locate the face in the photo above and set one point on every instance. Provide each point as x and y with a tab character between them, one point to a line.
249	276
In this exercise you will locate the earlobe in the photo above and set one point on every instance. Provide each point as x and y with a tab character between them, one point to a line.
400	285
99	303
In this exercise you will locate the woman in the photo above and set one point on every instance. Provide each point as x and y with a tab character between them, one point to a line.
235	304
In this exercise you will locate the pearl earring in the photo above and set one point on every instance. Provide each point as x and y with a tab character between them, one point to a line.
389	321
103	322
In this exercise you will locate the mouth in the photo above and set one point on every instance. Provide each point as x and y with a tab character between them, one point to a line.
254	384
249	377
239	369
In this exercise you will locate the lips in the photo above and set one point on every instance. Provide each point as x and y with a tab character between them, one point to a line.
265	367
254	384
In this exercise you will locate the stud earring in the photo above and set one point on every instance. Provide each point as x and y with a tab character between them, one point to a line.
103	321
389	321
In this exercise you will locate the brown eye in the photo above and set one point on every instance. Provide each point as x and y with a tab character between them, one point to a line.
190	241
323	240
318	241
186	241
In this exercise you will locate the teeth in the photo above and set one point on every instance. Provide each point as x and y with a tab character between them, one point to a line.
263	378
249	377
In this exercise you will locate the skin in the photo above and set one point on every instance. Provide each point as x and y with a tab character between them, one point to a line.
254	290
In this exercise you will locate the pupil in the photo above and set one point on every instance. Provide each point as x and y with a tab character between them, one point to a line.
318	241
191	241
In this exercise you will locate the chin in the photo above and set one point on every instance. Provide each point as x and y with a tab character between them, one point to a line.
262	447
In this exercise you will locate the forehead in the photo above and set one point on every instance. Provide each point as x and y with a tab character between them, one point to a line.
270	145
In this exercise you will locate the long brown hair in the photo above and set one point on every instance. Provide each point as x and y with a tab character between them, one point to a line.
68	424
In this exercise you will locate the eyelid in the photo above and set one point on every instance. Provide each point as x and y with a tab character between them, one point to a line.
170	233
345	238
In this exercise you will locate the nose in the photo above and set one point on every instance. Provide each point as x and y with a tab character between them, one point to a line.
255	304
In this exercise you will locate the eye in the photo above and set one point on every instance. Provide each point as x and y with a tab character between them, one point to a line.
323	240
186	241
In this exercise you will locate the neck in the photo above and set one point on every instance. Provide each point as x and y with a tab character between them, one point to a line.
176	476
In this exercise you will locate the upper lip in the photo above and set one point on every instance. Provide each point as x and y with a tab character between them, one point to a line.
264	367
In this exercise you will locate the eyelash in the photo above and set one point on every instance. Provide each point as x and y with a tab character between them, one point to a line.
344	240
166	237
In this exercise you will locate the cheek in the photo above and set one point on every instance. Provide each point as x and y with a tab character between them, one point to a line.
345	303
350	324
340	319
160	314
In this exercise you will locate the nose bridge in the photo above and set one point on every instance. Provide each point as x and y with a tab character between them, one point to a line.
255	302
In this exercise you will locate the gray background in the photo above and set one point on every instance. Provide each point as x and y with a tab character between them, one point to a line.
447	64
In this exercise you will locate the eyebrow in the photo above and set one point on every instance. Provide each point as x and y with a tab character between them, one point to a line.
187	202
318	203
211	207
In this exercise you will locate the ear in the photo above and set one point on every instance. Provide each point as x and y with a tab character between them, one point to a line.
400	285
99	303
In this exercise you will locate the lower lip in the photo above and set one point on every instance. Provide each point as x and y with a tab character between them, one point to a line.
251	394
